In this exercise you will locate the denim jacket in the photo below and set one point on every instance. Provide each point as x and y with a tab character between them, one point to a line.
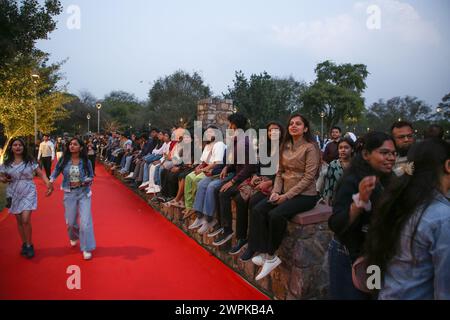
426	275
84	176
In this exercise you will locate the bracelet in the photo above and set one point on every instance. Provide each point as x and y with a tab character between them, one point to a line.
367	206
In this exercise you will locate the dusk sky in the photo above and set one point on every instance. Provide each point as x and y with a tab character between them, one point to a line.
127	45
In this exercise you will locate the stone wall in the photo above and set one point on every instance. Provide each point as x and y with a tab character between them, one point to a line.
214	111
304	271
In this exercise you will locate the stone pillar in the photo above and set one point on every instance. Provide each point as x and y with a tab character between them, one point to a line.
214	111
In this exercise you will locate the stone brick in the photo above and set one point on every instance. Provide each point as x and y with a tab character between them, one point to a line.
307	252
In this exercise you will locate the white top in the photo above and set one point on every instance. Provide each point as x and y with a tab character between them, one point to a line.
46	149
164	148
74	174
218	150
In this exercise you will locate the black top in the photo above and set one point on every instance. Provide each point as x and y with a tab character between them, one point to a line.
354	235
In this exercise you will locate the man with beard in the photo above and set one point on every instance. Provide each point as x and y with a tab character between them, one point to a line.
403	134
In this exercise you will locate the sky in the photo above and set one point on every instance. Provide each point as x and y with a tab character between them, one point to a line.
127	45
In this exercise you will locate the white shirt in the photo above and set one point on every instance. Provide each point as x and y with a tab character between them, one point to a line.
46	149
164	148
218	150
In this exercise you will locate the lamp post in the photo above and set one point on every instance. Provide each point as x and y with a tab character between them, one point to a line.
35	78
88	117
99	106
322	115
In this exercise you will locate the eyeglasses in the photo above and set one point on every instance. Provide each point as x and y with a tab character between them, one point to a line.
387	153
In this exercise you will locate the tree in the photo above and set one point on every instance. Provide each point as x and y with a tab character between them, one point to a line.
263	98
175	97
444	109
124	109
337	92
20	94
381	115
22	23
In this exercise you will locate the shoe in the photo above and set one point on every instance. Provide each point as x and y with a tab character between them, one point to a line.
29	251
197	223
73	243
259	260
268	267
23	252
206	226
144	184
222	239
215	232
247	255
238	247
87	255
130	176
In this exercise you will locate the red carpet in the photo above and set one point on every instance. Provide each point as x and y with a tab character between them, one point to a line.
140	255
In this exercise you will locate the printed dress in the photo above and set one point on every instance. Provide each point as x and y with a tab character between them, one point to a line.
22	188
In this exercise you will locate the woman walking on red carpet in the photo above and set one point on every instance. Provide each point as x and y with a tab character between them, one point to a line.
77	173
18	171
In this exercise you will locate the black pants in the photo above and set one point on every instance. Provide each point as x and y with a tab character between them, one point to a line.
226	217
47	165
92	159
169	183
268	222
242	210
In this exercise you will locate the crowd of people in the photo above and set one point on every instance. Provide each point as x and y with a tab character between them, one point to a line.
389	194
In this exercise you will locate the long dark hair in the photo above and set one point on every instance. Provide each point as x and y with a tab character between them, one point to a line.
403	197
371	141
26	156
67	155
282	133
308	136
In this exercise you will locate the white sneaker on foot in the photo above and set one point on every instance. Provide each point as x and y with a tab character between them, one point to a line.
87	255
207	226
260	259
144	184
268	267
73	243
130	176
197	223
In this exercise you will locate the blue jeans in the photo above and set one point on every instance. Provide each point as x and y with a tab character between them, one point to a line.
207	194
341	284
79	201
148	160
128	163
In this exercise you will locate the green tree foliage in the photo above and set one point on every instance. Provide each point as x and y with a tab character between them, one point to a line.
263	98
175	97
382	114
337	92
76	121
444	109
20	94
22	23
125	109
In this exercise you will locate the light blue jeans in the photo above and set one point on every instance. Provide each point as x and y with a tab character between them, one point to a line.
79	201
148	161
207	193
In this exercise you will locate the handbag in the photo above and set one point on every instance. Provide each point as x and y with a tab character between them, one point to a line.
8	203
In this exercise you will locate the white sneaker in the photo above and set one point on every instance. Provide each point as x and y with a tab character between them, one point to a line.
206	226
73	243
197	223
144	184
87	255
259	259
130	176
268	267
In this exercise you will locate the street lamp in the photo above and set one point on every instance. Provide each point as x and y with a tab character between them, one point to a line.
99	106
88	117
322	115
35	78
